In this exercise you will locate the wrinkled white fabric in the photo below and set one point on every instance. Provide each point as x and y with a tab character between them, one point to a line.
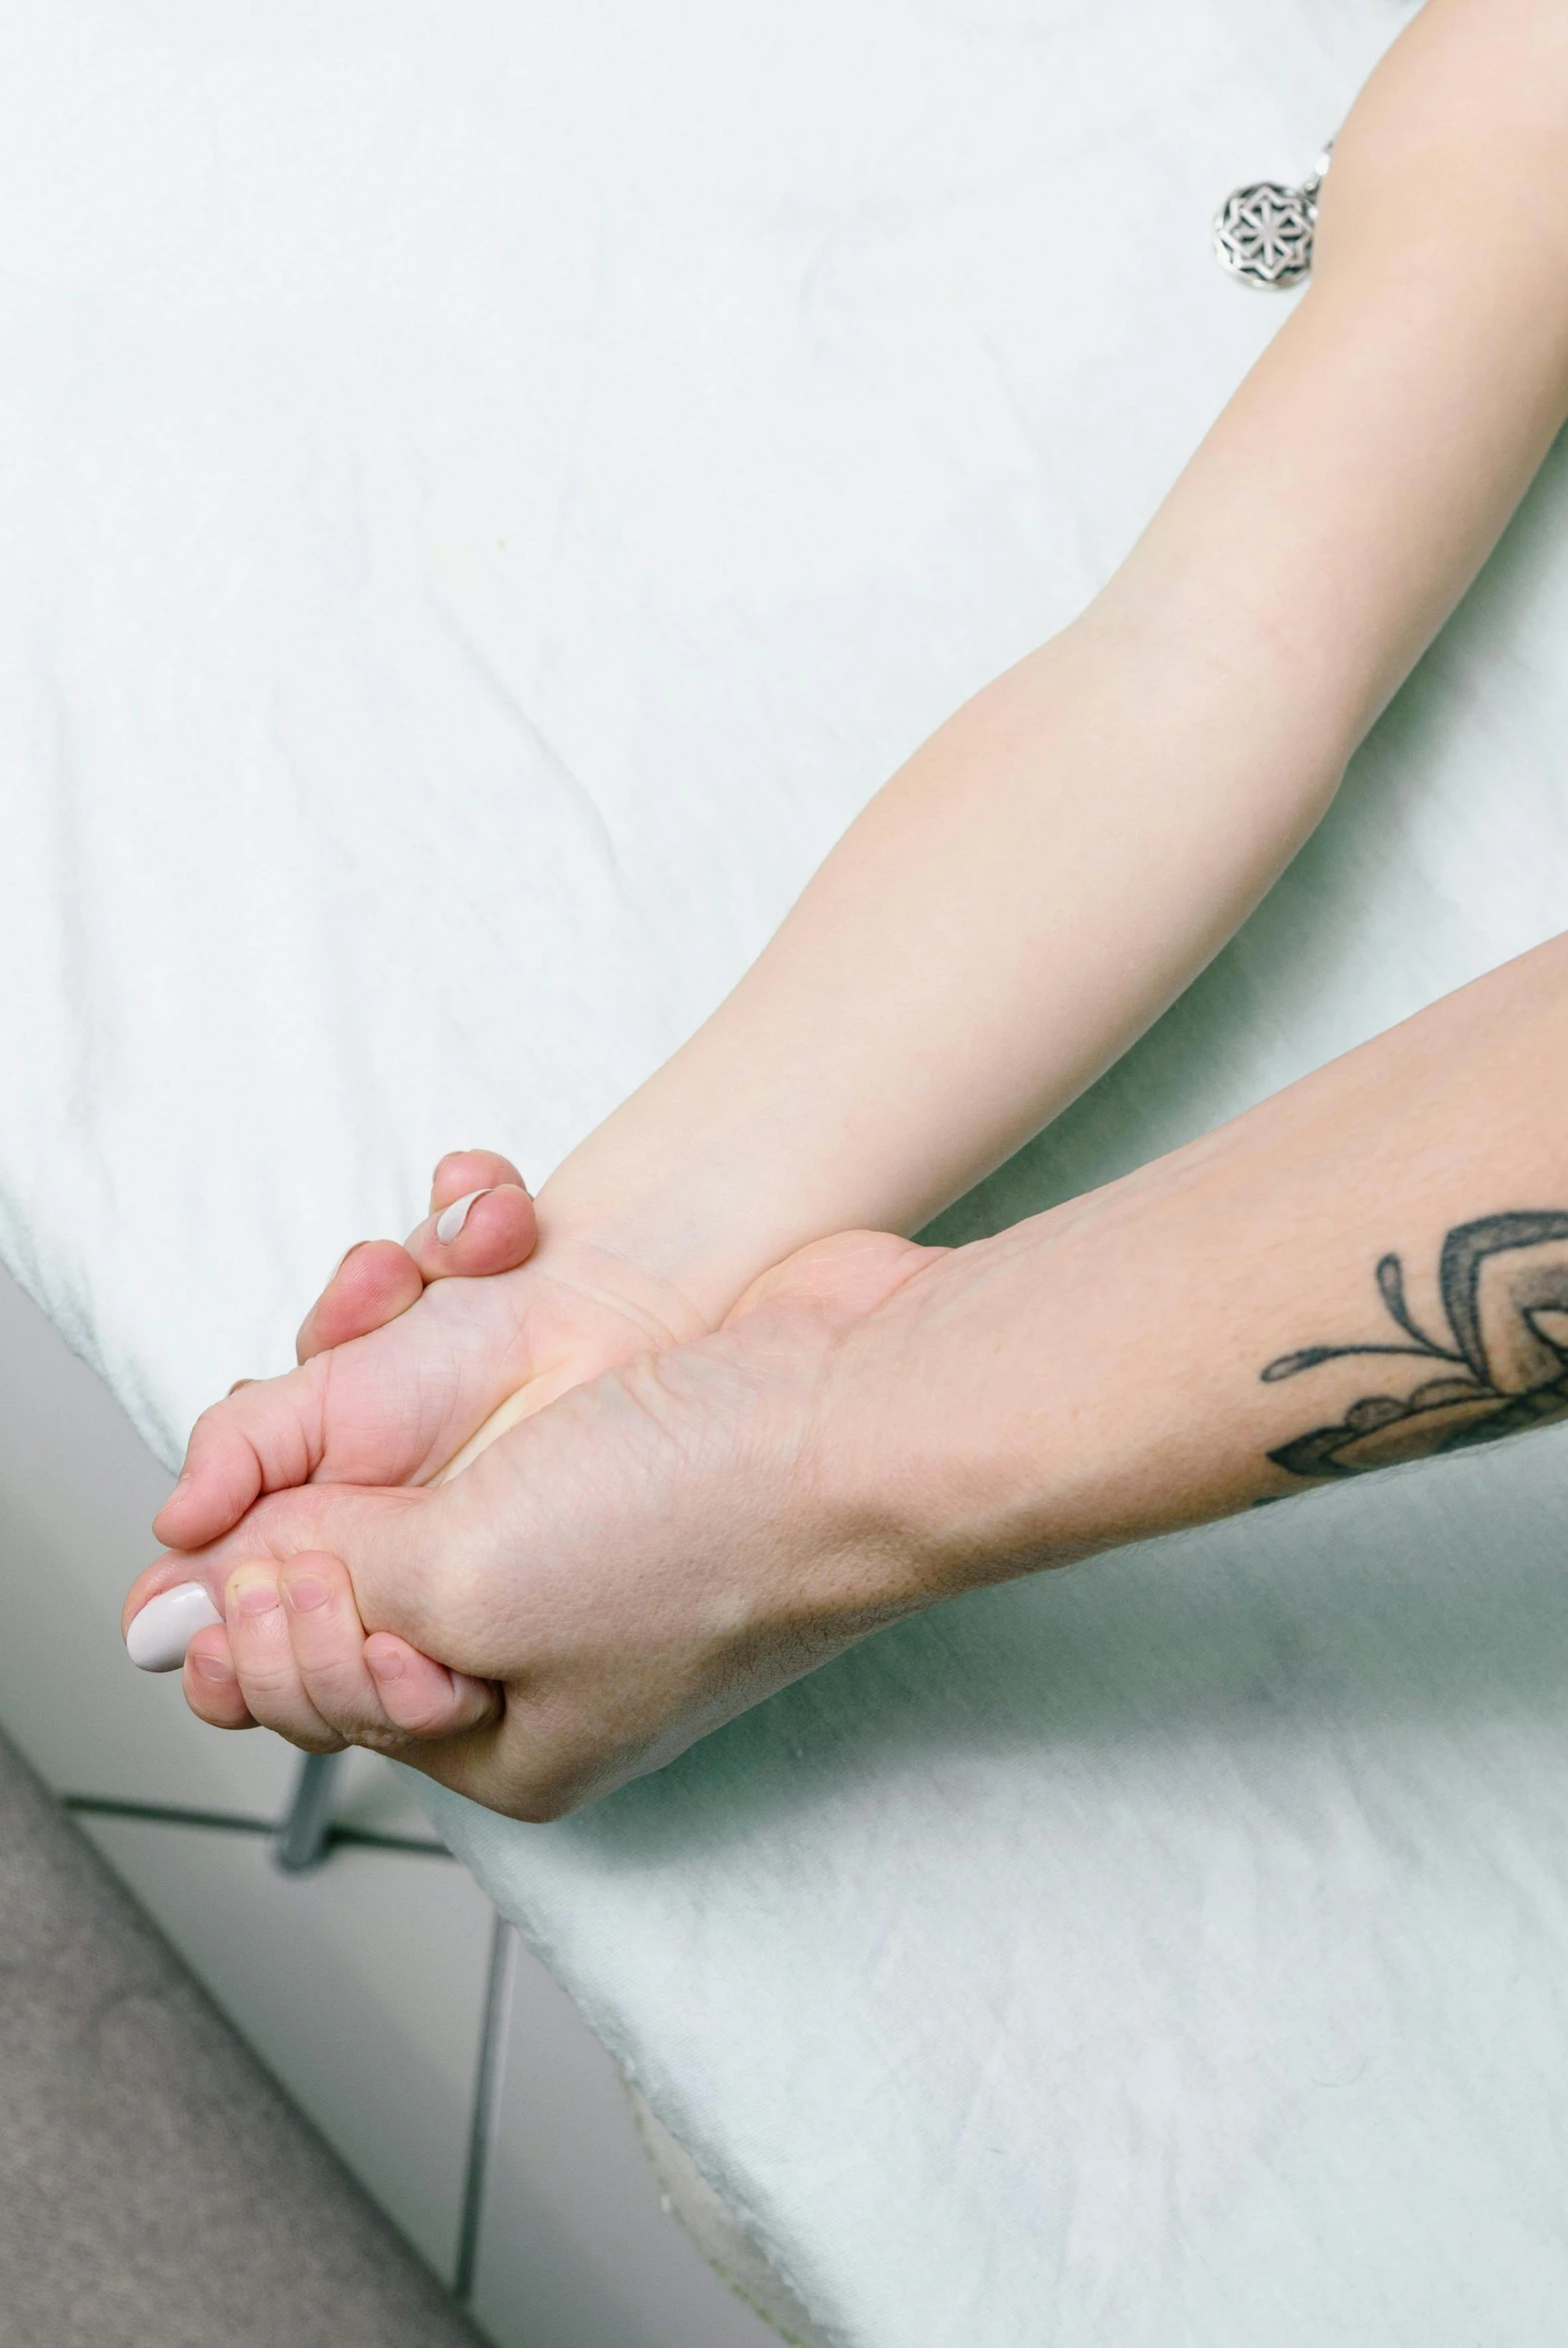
487	492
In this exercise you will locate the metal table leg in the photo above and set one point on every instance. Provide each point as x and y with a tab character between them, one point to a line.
307	1828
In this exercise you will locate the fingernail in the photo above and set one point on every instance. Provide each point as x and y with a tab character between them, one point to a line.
254	1593
385	1665
344	1258
215	1667
304	1592
450	1223
165	1625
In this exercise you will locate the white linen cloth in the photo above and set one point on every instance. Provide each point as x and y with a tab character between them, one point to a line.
487	491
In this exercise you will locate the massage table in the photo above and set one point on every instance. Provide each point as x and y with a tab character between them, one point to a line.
490	491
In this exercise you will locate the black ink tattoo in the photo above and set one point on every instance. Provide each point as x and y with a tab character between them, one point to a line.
1504	1285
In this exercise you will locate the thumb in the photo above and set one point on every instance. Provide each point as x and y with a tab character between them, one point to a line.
843	1278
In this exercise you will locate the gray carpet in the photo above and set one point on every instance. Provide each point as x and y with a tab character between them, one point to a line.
157	2190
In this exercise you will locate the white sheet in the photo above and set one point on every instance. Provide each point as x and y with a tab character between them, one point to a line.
487	491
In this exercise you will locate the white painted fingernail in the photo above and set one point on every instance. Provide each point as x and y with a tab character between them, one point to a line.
165	1625
449	1224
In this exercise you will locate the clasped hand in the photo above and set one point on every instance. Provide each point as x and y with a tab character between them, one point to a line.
655	1524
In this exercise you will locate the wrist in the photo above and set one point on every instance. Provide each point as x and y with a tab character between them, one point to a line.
601	1261
924	1446
1031	1399
693	1258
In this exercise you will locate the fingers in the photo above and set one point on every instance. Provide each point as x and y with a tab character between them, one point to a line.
169	1577
212	1685
265	1665
462	1171
492	1231
268	1435
374	1283
423	1699
293	1656
428	1711
487	1228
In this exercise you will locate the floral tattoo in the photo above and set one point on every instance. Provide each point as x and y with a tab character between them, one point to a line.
1504	1288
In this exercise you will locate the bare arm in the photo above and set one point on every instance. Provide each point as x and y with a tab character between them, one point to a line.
1367	1269
1372	1267
1060	861
1064	857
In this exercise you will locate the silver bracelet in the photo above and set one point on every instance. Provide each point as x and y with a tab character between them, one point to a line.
1263	233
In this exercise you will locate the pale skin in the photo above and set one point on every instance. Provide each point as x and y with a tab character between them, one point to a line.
960	967
886	1425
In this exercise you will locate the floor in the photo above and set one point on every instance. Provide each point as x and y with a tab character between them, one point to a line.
157	2188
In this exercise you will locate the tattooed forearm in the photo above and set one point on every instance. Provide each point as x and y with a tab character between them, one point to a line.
1504	1288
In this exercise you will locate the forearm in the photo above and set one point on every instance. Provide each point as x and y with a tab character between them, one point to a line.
1370	1267
890	1426
1012	911
1064	855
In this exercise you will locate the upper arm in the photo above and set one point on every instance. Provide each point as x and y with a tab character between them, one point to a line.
1454	158
1370	461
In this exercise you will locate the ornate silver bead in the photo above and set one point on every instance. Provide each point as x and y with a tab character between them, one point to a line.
1263	231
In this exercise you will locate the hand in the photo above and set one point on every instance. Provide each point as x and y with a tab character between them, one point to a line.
411	1351
651	1555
